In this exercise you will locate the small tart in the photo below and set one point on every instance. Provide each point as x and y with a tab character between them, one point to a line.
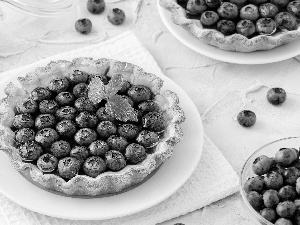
108	182
235	42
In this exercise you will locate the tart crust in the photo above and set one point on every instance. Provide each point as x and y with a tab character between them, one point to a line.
235	42
107	182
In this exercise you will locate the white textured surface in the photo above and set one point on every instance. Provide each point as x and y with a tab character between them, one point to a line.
213	179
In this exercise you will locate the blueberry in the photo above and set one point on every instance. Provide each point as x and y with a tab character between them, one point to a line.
209	18
283	221
139	93
47	163
66	113
44	121
30	151
148	106
280	3
261	165
213	3
65	98
287	192
268	10
135	153
147	138
271	198
290	175
95	6
84	104
116	16
286	209
48	106
46	137
128	131
106	129
59	85
276	96
245	28
196	6
117	143
103	115
255	199
80	90
273	180
246	118
154	121
254	184
24	120
286	21
269	214
249	12
40	93
94	166
66	128
24	135
27	106
80	152
68	167
226	27
86	120
98	148
78	77
83	26
286	156
60	149
115	160
228	10
85	136
294	8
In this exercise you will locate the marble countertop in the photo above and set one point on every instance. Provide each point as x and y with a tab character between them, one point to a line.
219	90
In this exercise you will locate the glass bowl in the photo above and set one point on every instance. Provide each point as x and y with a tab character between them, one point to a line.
269	150
41	7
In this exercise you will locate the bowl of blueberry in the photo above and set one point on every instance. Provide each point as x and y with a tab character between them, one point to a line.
89	127
270	183
238	25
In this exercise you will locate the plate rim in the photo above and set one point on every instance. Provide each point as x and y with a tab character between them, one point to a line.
251	58
192	166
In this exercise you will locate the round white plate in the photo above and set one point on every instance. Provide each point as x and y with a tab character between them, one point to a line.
259	57
166	181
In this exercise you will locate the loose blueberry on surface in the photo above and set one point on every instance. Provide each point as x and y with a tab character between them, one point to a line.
27	106
147	138
80	152
86	120
65	98
66	128
261	165
44	121
83	26
115	160
94	166
117	143
116	16
98	148
135	153
68	167
24	120
40	94
80	90
85	136
47	163
95	6
128	131
276	96
66	113
226	27
46	137
59	85
30	151
106	129
60	149
24	135
246	118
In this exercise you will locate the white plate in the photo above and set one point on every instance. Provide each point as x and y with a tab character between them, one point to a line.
166	181
259	57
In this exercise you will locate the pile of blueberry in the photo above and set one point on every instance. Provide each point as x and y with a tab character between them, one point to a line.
275	191
115	16
245	17
62	131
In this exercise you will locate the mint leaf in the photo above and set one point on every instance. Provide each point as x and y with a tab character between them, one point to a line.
115	84
121	109
96	90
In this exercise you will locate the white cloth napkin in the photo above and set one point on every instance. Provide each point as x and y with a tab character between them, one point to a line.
213	179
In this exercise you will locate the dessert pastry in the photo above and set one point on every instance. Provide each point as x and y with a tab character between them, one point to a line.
89	127
236	25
